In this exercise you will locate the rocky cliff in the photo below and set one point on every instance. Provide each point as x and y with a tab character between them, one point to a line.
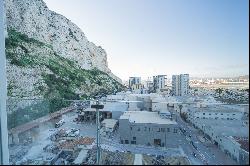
49	56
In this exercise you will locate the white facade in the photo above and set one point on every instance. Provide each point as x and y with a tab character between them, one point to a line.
159	103
180	84
117	97
134	81
236	148
219	112
159	82
232	137
149	84
109	125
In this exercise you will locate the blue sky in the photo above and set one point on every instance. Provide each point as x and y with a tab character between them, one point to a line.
149	37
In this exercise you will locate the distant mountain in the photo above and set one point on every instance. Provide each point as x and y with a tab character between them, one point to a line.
235	77
244	77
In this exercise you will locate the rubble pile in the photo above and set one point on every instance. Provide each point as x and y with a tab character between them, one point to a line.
19	153
91	159
163	160
117	158
73	143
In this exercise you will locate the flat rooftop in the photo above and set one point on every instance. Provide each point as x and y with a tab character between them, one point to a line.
109	123
226	127
216	108
145	117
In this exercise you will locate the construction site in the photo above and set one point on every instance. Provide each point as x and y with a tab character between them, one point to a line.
70	139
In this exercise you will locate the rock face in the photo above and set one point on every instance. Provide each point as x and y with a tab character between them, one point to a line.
33	18
36	37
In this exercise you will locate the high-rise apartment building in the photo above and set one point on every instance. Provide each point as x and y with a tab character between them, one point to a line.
159	82
180	84
134	81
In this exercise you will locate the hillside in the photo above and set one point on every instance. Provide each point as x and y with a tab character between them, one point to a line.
36	70
48	56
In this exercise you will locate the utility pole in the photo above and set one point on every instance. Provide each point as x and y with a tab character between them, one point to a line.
97	106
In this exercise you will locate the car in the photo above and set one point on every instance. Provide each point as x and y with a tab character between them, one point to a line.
194	154
73	132
60	123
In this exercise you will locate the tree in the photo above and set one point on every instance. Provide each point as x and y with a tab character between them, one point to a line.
180	107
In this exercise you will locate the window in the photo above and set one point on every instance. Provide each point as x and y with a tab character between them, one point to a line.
149	129
175	130
126	142
233	114
221	113
168	129
204	113
131	128
145	128
134	138
162	129
209	114
121	141
133	142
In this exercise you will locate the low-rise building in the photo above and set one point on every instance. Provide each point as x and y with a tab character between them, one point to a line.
232	137
89	114
109	125
214	112
147	128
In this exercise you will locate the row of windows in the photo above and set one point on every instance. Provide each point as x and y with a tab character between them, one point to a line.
217	118
158	129
217	114
127	142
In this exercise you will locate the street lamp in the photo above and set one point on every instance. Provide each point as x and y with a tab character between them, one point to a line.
98	106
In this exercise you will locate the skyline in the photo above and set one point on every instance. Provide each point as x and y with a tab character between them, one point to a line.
144	38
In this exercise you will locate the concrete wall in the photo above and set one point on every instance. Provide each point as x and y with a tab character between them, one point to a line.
146	133
230	147
218	115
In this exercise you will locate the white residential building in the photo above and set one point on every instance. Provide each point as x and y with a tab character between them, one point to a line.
180	84
149	85
134	81
159	82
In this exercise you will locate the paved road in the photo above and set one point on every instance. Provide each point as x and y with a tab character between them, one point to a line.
208	153
139	149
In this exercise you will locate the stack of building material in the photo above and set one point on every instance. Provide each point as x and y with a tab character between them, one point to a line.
73	143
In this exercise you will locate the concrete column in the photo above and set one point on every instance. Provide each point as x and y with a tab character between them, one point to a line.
4	150
15	139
